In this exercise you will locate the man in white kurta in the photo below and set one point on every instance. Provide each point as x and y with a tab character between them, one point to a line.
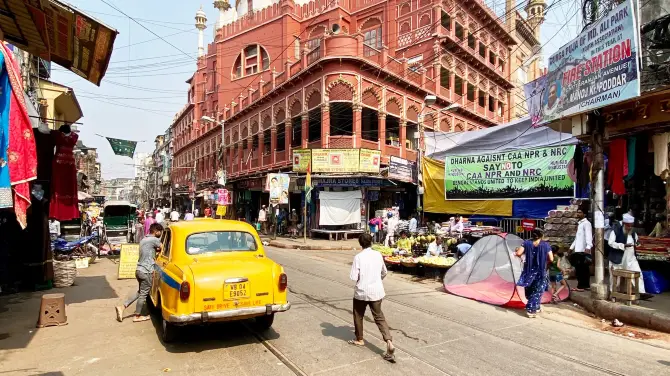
629	261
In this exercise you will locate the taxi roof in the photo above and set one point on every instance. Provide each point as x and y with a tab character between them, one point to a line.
208	224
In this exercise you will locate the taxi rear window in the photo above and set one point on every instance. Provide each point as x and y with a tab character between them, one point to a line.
220	241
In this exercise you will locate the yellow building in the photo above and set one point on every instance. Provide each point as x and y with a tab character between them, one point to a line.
58	104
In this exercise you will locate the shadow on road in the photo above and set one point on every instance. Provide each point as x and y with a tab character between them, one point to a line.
345	333
199	338
22	309
665	362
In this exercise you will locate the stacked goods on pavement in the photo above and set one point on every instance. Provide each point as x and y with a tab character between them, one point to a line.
561	224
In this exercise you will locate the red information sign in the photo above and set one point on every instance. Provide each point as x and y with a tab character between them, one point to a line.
528	224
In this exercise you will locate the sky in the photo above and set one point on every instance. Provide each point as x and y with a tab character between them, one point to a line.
145	83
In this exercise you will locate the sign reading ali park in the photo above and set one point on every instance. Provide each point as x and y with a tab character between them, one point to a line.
596	69
532	173
337	160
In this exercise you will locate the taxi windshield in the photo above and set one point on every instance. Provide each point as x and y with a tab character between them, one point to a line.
220	241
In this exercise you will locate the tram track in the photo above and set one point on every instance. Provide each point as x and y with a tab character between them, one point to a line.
452	319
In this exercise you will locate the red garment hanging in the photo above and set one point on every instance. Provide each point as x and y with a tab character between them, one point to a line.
64	204
617	166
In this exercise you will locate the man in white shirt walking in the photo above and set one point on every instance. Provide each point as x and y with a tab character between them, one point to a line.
580	247
368	270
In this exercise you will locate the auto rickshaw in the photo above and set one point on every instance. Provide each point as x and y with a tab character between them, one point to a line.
117	218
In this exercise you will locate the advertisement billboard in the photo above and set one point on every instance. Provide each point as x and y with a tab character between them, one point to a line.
335	160
370	161
527	174
277	185
301	159
596	69
401	169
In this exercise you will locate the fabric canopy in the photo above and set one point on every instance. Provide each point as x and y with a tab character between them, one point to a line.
339	208
434	202
510	136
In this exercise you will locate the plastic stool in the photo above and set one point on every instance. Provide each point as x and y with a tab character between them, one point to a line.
52	311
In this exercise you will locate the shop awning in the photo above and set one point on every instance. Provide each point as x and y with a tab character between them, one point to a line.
59	33
514	135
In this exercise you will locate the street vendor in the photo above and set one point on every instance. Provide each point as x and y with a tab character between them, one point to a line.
457	226
404	244
391	226
623	238
435	247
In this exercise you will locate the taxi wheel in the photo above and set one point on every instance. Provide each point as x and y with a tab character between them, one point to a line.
169	332
265	322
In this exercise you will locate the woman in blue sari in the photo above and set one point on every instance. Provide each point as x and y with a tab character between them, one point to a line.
534	275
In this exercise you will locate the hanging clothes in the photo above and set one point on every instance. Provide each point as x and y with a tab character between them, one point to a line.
632	142
5	97
64	198
660	142
21	152
618	166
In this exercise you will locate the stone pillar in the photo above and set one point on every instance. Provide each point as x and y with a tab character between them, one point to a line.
452	82
261	148
325	125
273	144
304	129
403	136
357	126
437	68
240	155
382	130
288	133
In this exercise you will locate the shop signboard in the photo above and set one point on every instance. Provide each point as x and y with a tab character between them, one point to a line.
527	174
223	197
335	160
277	185
130	254
346	182
301	159
401	169
596	69
370	161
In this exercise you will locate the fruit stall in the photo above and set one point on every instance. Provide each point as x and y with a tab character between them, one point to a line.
416	262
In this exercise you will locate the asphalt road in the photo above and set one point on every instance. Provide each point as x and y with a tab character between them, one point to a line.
435	333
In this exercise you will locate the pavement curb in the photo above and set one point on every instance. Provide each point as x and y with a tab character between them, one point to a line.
631	315
307	247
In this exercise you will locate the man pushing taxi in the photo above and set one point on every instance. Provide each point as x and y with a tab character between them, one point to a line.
149	245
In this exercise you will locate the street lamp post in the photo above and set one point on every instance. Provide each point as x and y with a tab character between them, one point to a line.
223	145
429	100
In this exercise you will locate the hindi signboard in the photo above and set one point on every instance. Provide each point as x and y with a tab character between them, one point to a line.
598	68
401	169
335	160
528	174
370	161
130	254
277	185
301	159
223	197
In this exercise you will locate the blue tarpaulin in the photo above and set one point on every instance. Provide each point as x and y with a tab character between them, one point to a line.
536	208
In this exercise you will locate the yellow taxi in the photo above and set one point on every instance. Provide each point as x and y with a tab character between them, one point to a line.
215	270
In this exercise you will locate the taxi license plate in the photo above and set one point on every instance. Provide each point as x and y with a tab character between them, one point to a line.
236	290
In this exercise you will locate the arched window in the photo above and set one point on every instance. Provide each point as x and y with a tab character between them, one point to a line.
252	60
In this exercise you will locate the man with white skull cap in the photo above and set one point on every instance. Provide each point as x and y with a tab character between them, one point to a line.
623	238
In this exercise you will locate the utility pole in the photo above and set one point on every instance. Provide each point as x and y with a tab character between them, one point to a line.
596	124
194	182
